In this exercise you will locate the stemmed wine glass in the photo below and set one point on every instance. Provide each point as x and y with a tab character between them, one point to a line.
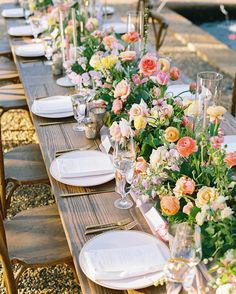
35	24
186	253
48	43
124	162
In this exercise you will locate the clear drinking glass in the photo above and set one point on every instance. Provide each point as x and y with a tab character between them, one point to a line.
124	161
79	109
35	24
135	23
208	93
48	43
186	253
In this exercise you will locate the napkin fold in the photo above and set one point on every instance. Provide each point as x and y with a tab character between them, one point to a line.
30	50
123	263
20	31
13	12
54	105
84	166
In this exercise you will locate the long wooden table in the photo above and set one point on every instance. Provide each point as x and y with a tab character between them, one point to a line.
76	212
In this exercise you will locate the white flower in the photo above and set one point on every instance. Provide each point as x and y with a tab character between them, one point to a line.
200	217
158	156
225	289
125	128
226	212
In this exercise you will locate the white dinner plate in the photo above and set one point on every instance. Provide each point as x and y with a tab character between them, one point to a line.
177	89
118	27
86	181
108	10
14	12
30	50
20	31
57	114
65	82
122	239
230	141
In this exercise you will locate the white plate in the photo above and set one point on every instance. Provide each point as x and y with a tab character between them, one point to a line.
177	89
118	27
13	12
65	82
80	181
30	50
20	31
230	141
108	10
122	239
51	115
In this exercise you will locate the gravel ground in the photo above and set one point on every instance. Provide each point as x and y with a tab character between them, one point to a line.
17	129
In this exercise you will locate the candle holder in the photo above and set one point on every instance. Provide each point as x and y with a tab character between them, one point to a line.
57	67
96	115
90	130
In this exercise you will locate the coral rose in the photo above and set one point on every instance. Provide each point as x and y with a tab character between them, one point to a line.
230	159
128	55
122	90
186	146
174	73
170	205
171	134
206	195
117	106
184	186
148	65
130	37
108	41
140	122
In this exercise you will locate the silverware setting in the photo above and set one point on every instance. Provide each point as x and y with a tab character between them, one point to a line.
127	227
60	152
118	223
56	123
87	193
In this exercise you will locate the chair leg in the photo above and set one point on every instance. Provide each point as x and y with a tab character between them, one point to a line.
19	273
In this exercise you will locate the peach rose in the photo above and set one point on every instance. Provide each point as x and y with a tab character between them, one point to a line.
216	112
148	65
138	109
170	205
171	134
128	55
230	159
206	195
117	106
108	41
184	186
141	165
187	208
164	65
186	146
130	37
115	132
122	90
174	73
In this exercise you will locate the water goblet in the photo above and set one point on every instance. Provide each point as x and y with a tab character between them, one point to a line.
48	49
124	162
35	24
79	109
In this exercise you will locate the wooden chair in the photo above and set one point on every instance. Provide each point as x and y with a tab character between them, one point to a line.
233	108
8	72
23	165
12	97
5	49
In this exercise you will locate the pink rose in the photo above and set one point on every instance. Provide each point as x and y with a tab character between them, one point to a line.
141	165
162	78
187	123
193	88
148	65
122	90
128	55
174	73
187	208
216	141
109	41
117	106
186	146
184	186
115	132
125	128
136	79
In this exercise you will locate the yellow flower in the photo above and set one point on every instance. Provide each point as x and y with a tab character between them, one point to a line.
51	21
69	30
215	112
171	134
206	195
140	122
109	61
95	62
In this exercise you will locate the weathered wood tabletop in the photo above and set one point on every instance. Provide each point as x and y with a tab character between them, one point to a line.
76	212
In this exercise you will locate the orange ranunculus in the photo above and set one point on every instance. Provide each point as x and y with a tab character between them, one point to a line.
171	134
230	159
186	146
148	65
170	205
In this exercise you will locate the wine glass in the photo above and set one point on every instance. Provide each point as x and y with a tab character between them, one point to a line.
135	23
48	49
186	253
35	24
79	109
124	161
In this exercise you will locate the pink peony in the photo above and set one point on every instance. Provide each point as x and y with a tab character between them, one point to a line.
162	78
148	65
174	73
128	55
117	106
122	90
186	146
216	141
187	208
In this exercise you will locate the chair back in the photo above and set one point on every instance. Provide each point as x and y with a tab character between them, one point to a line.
2	180
6	263
233	108
160	26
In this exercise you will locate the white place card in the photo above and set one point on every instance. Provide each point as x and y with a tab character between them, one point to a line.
155	220
106	144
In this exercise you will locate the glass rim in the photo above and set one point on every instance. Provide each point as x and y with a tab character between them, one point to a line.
217	76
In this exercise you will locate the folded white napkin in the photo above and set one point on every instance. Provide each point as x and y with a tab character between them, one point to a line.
20	31
122	263
13	12
30	50
54	105
84	166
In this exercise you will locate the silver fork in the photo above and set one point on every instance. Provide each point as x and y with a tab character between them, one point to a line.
127	227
